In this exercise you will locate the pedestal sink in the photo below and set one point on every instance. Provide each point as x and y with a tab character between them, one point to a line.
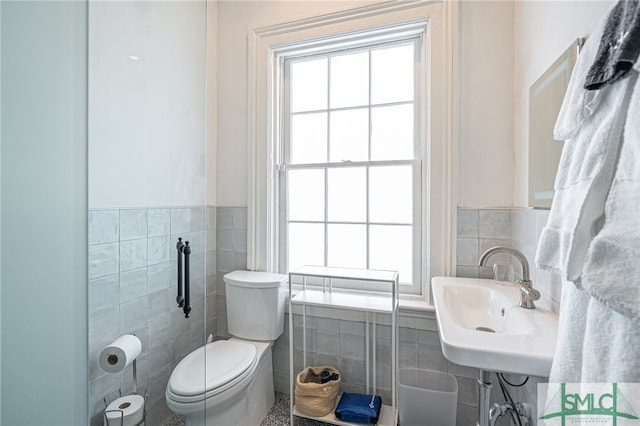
482	325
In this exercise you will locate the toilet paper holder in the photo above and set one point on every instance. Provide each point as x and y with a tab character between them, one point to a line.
114	359
119	419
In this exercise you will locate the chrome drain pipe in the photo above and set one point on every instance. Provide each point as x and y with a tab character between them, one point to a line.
484	397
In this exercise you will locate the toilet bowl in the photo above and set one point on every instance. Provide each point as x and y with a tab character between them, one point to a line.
227	382
230	382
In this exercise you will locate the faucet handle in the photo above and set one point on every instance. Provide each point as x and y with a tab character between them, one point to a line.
528	294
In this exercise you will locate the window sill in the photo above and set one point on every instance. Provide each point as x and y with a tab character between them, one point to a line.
417	306
409	306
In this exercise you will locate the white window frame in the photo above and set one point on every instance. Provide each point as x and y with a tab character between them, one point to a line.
267	45
404	34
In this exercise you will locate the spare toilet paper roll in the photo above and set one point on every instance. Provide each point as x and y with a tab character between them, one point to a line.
115	357
125	411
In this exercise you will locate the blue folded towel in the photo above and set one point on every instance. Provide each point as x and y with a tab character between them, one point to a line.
359	408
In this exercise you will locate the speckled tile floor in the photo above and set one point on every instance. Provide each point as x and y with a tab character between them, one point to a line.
277	416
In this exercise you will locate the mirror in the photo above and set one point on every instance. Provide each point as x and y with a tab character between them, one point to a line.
545	100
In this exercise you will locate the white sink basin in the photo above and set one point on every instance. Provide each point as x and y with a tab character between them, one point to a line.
482	325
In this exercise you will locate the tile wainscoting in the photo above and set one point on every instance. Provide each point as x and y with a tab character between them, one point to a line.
480	229
132	289
132	270
340	343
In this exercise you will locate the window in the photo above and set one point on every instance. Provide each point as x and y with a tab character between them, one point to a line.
324	181
351	157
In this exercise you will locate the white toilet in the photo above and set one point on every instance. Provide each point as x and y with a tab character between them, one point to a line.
230	382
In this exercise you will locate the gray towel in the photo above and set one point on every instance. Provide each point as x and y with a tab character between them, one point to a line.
619	46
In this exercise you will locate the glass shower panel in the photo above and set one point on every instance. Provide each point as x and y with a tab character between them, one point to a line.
44	212
147	190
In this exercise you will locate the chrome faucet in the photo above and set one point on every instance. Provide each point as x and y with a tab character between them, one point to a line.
528	294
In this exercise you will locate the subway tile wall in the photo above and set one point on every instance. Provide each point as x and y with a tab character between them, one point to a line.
231	255
341	344
131	290
480	229
132	270
211	271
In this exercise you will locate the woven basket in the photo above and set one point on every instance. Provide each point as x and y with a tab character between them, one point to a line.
313	398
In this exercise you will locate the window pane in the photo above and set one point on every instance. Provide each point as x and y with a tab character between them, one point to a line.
309	85
391	249
392	74
347	246
350	80
392	132
347	194
349	132
391	194
306	245
309	138
306	195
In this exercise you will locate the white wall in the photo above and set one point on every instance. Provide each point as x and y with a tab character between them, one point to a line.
542	31
147	116
44	213
504	47
485	150
212	101
235	20
486	44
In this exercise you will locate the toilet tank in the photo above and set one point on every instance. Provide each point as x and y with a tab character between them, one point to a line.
255	304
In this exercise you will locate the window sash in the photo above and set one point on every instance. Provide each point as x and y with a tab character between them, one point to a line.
416	225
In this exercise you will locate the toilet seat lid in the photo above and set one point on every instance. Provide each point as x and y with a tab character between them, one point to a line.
225	361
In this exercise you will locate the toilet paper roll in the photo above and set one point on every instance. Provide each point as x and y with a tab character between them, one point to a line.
115	357
125	411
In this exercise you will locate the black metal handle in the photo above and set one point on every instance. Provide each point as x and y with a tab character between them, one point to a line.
180	299
184	302
187	296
